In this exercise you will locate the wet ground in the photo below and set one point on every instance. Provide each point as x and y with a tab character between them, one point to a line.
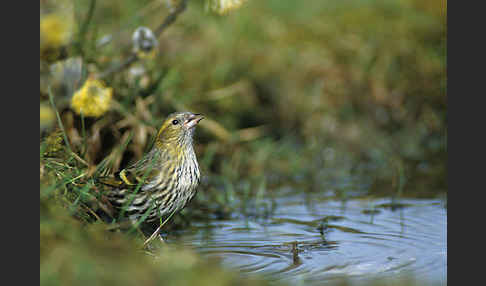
314	239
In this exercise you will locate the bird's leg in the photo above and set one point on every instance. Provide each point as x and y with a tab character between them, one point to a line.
156	232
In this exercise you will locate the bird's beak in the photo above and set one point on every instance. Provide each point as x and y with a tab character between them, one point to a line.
192	120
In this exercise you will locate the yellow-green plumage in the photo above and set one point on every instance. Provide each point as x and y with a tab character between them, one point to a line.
166	177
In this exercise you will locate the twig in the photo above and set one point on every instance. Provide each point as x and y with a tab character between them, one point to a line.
295	253
83	130
171	18
151	7
116	68
84	26
59	121
76	156
92	212
133	57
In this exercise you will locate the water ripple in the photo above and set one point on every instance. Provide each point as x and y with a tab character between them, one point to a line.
331	239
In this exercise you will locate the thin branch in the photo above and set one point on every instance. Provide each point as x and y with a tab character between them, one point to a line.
92	212
116	68
171	18
76	156
59	121
84	26
133	57
151	7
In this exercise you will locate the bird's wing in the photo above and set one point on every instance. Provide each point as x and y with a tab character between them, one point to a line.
141	172
111	181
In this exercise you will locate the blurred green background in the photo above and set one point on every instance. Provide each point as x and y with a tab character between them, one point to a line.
346	97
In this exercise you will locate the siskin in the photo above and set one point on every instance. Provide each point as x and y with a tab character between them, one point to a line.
165	179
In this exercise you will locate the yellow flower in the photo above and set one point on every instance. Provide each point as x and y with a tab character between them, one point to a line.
55	30
93	99
225	6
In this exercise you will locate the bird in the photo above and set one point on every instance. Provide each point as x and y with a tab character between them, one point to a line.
165	179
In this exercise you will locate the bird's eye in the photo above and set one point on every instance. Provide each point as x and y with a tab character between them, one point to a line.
175	122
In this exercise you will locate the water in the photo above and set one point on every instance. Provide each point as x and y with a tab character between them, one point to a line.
314	239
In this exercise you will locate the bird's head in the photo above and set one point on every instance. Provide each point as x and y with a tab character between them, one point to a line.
178	128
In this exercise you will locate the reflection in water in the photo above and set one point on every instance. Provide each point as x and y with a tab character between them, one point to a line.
321	240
